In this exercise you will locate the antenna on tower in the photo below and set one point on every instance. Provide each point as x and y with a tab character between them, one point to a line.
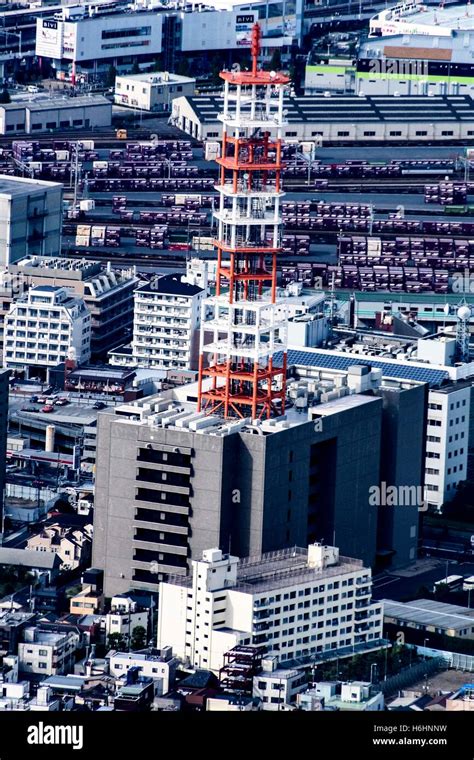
256	34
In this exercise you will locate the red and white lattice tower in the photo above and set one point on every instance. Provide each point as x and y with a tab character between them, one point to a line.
243	326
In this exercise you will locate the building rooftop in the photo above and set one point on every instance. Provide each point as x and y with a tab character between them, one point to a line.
430	612
337	360
449	19
66	683
157	77
282	568
45	103
11	187
28	558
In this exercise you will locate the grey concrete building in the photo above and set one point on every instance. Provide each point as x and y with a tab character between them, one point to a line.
4	378
402	464
171	482
30	218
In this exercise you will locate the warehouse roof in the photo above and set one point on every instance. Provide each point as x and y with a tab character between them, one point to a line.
20	186
43	103
430	612
351	108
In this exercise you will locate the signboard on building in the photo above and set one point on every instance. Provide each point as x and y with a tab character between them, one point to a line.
49	38
243	29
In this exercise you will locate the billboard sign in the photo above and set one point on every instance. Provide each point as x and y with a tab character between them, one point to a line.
243	29
49	38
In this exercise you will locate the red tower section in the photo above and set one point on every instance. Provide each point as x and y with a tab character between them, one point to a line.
243	326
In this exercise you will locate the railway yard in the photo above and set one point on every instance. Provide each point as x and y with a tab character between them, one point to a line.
398	219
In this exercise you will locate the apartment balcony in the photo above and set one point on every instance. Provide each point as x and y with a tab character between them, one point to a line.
366	592
259	627
260	615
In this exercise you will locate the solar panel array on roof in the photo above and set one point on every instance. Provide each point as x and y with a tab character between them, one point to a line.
321	360
352	109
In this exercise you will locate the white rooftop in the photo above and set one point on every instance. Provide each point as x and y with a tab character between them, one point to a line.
158	77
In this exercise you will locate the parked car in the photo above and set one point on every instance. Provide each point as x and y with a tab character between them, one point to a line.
61	402
29	409
34	399
99	405
47	408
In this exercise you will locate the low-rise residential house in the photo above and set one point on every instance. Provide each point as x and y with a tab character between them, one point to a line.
72	545
125	615
12	625
136	694
14	696
48	651
357	696
278	686
87	601
232	703
161	666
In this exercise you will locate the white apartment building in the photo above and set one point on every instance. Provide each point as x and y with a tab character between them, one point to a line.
124	616
447	439
152	92
47	652
161	667
296	602
166	323
43	328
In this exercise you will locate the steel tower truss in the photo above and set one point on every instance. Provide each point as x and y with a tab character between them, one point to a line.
243	326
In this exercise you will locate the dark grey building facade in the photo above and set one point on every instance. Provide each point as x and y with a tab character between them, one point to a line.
169	484
4	387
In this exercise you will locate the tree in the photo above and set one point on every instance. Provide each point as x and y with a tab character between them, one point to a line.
135	68
116	641
5	96
138	638
111	74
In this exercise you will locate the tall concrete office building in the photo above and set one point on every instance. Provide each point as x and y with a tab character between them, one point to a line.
171	481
